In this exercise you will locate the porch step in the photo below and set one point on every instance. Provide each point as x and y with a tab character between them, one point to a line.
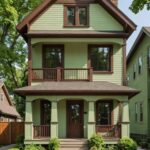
73	144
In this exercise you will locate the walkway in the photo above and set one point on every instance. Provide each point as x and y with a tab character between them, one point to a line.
7	147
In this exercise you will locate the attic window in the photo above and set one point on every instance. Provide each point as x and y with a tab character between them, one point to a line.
1	96
75	16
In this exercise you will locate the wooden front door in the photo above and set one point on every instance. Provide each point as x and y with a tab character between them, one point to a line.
75	119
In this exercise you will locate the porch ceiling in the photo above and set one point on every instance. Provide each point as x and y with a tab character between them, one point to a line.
77	88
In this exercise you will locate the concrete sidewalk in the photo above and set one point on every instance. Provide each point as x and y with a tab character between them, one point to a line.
7	147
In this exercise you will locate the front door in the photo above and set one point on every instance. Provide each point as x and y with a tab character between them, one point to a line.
75	119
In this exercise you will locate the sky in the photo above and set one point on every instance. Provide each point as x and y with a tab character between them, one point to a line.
141	19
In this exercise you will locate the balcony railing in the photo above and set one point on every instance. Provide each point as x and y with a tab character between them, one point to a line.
109	131
41	131
62	74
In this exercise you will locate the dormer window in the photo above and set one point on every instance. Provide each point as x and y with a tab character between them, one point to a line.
75	16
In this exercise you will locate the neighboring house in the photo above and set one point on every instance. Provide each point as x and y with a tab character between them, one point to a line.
77	71
138	69
8	112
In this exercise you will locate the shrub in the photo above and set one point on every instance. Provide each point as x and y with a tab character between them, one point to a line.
14	149
54	144
127	144
34	147
96	142
20	142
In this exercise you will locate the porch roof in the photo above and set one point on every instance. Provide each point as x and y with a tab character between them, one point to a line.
77	88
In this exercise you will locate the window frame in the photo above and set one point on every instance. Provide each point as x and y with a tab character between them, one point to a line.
52	46
134	71
110	71
77	19
140	65
111	112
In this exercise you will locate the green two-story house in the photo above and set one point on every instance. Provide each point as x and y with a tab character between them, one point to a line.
77	71
138	69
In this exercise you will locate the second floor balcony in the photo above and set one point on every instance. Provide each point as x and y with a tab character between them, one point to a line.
62	74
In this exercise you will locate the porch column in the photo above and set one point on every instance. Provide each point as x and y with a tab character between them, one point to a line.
91	119
125	127
28	121
54	120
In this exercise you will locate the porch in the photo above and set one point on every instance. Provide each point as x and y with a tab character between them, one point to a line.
72	110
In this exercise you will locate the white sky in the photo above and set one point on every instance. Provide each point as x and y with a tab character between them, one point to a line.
141	19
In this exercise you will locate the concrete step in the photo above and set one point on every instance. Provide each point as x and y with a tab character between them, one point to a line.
73	144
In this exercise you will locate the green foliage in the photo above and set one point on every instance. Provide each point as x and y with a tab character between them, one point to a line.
127	144
54	144
138	5
20	142
14	149
13	49
96	142
34	147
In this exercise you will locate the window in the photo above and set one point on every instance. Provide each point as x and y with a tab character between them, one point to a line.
76	16
136	112
134	71
1	96
52	56
103	112
45	112
149	57
100	58
140	65
141	112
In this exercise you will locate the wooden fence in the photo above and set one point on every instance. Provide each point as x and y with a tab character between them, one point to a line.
9	131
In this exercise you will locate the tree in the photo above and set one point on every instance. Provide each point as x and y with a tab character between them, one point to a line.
13	49
138	5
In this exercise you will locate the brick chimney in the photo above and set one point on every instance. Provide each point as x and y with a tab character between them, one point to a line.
115	2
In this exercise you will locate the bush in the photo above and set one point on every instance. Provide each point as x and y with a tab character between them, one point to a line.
20	142
96	142
34	147
14	149
54	144
127	144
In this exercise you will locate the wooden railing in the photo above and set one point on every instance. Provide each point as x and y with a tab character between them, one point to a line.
109	131
62	74
41	131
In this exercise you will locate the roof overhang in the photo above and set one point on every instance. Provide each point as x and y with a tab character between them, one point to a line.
145	31
77	88
128	25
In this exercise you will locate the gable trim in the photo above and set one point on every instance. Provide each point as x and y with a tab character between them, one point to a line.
129	26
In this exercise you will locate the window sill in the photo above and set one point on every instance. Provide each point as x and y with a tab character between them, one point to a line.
76	26
103	72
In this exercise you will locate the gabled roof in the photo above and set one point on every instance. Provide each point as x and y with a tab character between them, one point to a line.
145	31
77	88
7	108
129	26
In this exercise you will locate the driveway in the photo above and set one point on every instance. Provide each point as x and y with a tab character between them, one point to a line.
7	147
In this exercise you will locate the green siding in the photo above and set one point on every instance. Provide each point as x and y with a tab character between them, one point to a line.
141	83
76	56
52	19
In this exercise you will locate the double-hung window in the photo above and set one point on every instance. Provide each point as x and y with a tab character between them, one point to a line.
134	71
76	15
140	65
100	58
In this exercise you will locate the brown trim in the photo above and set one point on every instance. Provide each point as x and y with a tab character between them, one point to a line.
61	46
110	59
68	102
113	10
124	63
29	61
75	1
76	7
111	102
58	34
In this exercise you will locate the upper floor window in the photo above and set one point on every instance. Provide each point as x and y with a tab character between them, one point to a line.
140	65
100	58
52	56
75	16
134	71
149	57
